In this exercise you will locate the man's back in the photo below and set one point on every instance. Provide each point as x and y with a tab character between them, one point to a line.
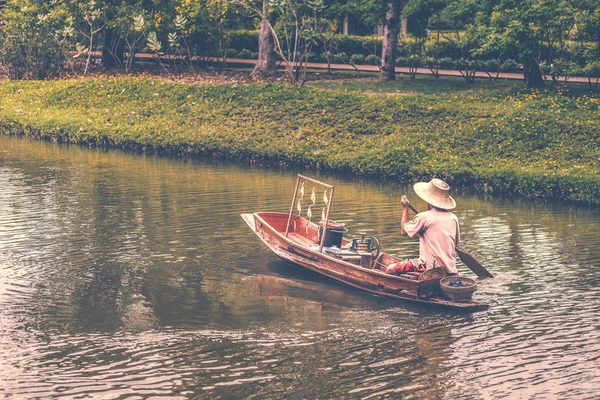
439	233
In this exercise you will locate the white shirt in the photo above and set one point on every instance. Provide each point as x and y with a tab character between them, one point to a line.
438	235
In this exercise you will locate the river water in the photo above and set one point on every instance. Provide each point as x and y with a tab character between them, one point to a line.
127	276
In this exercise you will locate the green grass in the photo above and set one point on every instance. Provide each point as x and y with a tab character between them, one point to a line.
422	85
498	137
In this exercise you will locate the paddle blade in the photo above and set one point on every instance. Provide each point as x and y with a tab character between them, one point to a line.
473	264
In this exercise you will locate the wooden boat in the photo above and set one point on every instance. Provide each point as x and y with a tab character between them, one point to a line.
297	240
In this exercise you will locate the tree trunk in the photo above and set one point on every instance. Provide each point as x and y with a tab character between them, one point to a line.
532	73
265	64
112	49
390	41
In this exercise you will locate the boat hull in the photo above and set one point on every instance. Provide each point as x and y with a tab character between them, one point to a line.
270	227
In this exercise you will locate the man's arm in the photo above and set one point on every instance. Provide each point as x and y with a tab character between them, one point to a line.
405	203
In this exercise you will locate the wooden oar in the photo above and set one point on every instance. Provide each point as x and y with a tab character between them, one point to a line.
467	259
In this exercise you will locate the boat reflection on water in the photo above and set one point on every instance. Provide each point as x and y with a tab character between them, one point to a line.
286	280
277	286
391	339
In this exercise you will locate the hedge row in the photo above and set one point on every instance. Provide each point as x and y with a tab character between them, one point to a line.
359	50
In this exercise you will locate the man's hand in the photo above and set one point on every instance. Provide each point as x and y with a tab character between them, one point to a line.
404	201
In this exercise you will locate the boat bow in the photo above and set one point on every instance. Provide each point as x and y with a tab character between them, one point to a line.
249	218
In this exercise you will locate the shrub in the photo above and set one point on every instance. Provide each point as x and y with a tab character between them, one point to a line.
340	58
546	69
566	68
509	65
357	59
402	62
415	61
429	62
245	53
322	58
491	65
592	70
372	59
446	63
29	48
351	44
232	53
448	49
344	44
243	39
464	63
402	51
312	57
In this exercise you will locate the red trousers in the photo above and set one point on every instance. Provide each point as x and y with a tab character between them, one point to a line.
405	266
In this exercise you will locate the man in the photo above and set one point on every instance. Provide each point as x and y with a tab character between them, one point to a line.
437	228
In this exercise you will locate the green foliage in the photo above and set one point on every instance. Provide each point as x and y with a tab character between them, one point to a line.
365	45
245	53
39	38
32	39
372	59
357	59
243	39
153	43
510	66
348	44
538	144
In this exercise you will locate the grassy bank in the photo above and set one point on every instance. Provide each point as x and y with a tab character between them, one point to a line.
500	138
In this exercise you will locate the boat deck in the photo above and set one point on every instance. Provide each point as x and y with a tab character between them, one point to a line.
300	239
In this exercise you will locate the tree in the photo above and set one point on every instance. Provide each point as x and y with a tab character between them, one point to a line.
420	13
92	24
265	64
513	27
294	33
554	22
208	26
468	25
390	40
129	24
432	12
112	46
326	35
588	31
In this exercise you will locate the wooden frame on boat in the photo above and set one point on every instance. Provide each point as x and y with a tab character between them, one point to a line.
331	188
296	239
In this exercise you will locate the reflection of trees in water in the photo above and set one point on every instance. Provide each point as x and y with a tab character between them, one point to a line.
99	299
528	240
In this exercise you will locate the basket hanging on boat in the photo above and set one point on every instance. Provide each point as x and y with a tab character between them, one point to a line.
458	287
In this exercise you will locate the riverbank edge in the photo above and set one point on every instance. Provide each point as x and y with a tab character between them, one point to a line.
532	186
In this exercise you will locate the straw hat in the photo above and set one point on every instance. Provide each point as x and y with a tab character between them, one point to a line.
435	192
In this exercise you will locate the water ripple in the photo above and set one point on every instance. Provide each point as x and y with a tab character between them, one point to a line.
125	276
